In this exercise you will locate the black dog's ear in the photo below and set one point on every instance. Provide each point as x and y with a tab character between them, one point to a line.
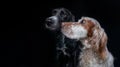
71	16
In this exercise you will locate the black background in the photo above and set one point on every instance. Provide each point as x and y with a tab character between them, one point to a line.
28	44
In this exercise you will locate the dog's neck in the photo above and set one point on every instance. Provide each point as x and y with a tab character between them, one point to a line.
92	46
90	52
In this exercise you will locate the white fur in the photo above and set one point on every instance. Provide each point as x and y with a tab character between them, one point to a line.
76	32
86	44
79	32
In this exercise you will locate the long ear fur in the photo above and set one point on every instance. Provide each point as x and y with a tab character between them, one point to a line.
99	42
102	46
96	35
99	39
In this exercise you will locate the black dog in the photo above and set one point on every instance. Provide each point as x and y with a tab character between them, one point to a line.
66	54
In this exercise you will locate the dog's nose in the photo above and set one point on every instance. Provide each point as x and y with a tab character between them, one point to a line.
49	21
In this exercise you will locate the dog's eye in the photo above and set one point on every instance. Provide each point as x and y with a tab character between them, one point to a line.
63	14
83	22
54	12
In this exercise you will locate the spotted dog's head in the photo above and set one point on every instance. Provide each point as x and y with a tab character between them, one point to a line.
88	31
94	40
58	15
84	28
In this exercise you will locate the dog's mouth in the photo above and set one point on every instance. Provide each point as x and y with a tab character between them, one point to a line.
49	22
50	27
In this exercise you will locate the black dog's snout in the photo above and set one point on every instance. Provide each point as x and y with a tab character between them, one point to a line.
49	21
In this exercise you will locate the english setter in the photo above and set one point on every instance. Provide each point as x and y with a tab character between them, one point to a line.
66	49
93	38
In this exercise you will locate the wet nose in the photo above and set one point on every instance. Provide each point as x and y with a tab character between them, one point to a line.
49	21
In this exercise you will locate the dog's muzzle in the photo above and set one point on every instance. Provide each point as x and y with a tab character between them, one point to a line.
52	23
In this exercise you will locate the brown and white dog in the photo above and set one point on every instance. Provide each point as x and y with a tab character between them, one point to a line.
93	38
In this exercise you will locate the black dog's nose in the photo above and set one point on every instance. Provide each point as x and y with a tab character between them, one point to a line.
49	21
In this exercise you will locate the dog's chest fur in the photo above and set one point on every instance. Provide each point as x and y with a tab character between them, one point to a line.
89	58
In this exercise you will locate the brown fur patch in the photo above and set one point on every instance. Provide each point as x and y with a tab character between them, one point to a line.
102	46
88	25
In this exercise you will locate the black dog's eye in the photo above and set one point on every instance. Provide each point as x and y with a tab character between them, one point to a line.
54	12
63	14
83	22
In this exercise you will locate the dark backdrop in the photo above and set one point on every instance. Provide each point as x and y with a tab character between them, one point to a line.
29	44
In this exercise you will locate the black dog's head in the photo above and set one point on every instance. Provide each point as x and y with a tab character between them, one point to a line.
58	15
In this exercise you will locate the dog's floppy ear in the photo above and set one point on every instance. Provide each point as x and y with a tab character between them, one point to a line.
71	16
100	40
102	45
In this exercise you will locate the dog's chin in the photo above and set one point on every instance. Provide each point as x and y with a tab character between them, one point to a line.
52	28
70	36
73	35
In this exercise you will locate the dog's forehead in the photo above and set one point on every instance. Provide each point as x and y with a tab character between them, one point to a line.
58	10
69	23
89	19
